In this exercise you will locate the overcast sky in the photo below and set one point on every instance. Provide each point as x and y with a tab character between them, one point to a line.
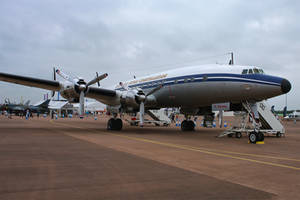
126	38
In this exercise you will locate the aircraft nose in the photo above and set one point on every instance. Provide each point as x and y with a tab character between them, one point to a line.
285	86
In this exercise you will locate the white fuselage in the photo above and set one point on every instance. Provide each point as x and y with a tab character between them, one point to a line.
207	84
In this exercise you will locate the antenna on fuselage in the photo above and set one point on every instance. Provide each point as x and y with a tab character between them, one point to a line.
231	60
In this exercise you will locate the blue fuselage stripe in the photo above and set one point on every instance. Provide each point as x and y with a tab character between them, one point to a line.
249	78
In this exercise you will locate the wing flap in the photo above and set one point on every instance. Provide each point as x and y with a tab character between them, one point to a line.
29	81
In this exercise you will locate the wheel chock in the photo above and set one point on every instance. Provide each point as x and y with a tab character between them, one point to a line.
258	142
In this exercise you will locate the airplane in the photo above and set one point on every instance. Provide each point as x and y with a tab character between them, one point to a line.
293	116
193	89
22	108
13	107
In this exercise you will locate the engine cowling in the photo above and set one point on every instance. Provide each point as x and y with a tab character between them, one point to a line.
129	99
69	92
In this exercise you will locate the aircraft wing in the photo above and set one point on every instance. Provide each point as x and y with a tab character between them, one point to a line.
105	96
31	82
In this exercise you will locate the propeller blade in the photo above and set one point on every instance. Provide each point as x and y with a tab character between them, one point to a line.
124	86
98	83
97	79
54	74
81	104
142	112
63	75
54	78
154	90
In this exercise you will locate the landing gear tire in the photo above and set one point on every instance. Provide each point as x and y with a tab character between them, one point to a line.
184	125
114	124
238	134
187	125
119	124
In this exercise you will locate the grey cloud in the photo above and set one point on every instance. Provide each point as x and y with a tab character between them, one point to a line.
126	38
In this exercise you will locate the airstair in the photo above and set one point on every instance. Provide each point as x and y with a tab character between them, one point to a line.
267	118
269	123
159	118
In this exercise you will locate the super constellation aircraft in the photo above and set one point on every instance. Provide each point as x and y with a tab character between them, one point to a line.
192	89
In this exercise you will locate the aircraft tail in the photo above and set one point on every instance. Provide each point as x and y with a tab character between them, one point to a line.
284	111
27	103
43	104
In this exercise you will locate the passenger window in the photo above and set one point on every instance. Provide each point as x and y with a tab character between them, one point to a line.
250	71
245	71
261	71
256	71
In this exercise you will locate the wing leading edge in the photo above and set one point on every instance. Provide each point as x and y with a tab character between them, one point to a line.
31	82
104	95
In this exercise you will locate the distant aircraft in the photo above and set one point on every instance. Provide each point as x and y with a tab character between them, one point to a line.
22	108
192	89
293	116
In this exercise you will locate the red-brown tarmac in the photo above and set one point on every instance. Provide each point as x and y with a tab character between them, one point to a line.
80	159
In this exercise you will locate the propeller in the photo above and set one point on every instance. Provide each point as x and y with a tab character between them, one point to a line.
141	98
98	83
82	86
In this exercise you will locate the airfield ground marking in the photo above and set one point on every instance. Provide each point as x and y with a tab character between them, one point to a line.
185	147
204	151
246	154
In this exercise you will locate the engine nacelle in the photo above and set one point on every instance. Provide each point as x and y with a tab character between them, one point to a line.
68	92
129	99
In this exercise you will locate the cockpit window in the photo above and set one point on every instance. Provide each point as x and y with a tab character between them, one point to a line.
256	71
253	71
245	71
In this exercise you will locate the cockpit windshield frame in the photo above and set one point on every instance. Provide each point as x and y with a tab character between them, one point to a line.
253	70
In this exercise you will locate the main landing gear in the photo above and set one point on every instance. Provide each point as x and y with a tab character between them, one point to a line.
114	124
256	137
187	125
